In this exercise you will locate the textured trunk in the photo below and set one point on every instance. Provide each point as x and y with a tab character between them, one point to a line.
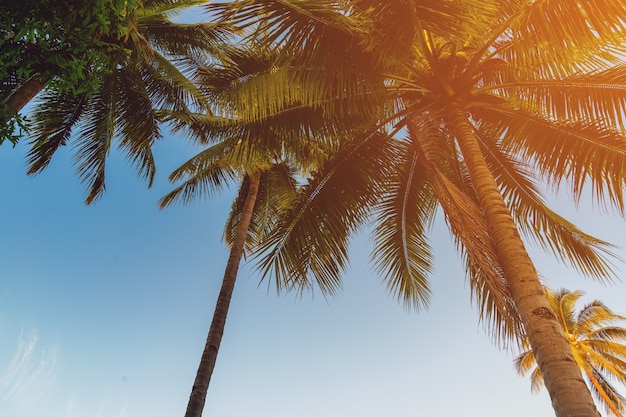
209	356
562	376
22	96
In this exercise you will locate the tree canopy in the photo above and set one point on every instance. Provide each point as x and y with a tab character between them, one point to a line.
71	42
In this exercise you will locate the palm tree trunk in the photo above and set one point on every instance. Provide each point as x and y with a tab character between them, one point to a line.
25	93
563	379
209	356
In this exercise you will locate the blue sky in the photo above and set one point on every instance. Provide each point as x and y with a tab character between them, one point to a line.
104	311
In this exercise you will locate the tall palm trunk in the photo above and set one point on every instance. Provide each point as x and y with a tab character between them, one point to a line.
25	93
563	379
209	356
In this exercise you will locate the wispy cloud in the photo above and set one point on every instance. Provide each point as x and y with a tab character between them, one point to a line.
69	410
30	372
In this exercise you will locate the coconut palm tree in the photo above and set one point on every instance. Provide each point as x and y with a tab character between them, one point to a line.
484	101
597	343
162	55
263	155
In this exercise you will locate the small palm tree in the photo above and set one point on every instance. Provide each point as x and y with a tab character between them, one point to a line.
598	344
161	57
262	155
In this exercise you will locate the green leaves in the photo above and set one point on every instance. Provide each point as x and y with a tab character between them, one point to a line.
129	80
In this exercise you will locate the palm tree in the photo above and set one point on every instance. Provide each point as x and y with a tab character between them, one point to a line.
483	102
595	341
262	155
162	55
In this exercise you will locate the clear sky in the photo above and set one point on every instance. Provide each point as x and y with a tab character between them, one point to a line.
104	311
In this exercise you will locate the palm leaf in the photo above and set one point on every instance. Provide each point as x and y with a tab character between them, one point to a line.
276	194
204	173
559	37
403	217
310	242
178	39
53	121
598	95
95	138
137	122
575	153
169	88
602	390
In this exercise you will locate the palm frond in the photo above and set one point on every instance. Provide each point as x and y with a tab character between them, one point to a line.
525	362
204	176
178	39
575	153
137	122
169	88
309	244
95	138
319	43
596	316
403	217
167	7
611	400
53	120
561	36
598	95
563	303
277	193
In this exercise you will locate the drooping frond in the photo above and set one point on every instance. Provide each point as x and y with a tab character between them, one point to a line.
204	173
252	85
555	36
489	288
598	95
576	152
137	122
309	244
169	88
95	138
525	363
145	80
605	393
403	218
277	192
52	126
